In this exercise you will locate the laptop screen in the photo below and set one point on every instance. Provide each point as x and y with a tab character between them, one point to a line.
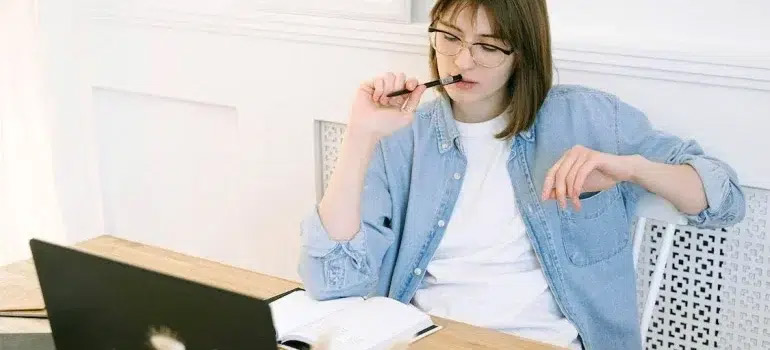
98	303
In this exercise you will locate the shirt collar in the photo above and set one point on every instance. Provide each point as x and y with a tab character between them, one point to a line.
443	120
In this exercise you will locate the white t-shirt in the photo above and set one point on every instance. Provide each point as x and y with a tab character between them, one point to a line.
484	271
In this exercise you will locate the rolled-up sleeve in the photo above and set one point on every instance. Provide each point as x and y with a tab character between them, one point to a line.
332	269
724	196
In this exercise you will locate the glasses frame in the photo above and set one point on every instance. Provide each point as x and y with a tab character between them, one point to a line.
466	45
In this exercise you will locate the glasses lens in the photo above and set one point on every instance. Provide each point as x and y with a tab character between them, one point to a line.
446	44
488	56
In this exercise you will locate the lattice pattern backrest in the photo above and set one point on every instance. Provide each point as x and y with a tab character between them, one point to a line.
716	288
329	136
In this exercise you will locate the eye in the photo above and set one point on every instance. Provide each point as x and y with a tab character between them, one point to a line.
488	48
451	38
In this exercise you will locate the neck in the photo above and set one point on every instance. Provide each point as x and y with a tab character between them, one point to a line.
479	111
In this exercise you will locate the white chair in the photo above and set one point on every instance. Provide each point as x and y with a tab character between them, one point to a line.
651	206
712	286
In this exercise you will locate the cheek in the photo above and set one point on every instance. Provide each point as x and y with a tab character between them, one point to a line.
444	64
501	75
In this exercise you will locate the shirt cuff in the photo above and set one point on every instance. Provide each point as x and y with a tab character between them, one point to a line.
317	243
714	181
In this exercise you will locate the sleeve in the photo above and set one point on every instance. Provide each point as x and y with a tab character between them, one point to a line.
333	269
725	198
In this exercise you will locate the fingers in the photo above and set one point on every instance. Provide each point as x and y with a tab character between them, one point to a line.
572	190
398	84
379	89
403	100
368	87
560	182
550	178
411	84
381	86
580	177
566	178
389	80
414	99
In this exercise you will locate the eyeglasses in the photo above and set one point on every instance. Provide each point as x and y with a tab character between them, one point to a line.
486	55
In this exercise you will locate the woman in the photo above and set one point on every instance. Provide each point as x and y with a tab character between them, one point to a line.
506	202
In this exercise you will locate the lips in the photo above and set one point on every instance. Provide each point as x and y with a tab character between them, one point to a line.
464	84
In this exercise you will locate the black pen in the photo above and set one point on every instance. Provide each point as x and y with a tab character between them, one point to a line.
443	81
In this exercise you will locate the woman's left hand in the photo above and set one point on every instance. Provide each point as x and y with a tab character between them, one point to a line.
582	169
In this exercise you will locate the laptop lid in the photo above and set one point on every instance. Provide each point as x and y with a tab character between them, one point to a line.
98	303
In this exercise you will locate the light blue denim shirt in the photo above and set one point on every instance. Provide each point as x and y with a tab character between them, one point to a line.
415	176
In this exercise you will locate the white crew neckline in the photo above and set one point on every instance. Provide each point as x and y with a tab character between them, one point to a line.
482	129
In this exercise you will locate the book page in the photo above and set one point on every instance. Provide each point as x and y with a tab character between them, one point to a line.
375	323
296	310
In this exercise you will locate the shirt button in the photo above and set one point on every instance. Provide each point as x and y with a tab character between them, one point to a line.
444	145
529	209
457	176
418	271
441	223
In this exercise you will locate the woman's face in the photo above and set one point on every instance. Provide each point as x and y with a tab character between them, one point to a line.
479	83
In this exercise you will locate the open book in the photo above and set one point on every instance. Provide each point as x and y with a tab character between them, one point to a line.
353	323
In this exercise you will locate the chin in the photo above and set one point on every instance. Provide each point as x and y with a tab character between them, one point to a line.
463	96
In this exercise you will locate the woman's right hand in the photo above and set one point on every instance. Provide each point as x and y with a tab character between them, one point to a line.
375	114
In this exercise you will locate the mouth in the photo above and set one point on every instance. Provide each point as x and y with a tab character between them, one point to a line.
465	84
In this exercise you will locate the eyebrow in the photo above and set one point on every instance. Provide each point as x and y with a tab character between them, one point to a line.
491	36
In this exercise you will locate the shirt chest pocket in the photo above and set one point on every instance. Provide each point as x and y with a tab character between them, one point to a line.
598	231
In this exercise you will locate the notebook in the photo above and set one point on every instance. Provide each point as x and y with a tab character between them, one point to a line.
354	323
32	313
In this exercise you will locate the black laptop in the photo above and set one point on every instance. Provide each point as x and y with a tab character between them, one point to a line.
99	304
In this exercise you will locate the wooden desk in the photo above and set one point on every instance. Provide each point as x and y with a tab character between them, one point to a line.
18	281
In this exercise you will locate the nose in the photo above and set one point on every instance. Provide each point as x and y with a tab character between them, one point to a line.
464	60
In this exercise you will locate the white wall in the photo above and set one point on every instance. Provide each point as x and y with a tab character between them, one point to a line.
732	31
74	148
191	126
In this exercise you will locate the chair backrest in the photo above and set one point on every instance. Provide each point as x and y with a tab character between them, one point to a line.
715	290
328	139
651	206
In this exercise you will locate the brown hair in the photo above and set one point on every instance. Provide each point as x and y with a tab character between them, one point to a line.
523	24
